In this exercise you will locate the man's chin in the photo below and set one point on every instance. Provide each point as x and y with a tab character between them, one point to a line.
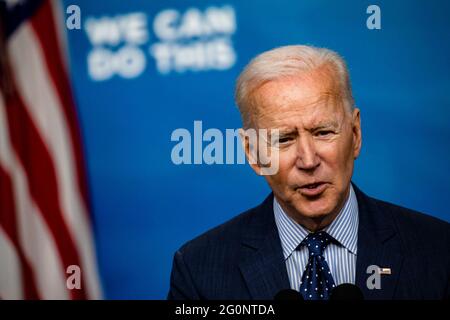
314	210
315	215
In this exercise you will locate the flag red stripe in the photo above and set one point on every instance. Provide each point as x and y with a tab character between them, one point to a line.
9	224
39	167
44	27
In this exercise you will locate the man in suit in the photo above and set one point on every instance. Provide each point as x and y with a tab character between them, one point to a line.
317	230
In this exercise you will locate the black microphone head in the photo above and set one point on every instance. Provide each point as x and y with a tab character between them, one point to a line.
346	292
288	294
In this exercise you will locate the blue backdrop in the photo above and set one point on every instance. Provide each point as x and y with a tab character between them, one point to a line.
142	69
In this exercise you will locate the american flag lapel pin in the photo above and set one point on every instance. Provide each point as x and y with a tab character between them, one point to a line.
384	270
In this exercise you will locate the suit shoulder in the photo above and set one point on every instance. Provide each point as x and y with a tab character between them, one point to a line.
416	225
227	233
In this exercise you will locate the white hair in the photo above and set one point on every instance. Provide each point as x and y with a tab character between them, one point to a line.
288	61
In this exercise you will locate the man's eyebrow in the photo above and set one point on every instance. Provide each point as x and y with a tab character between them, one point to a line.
325	125
286	131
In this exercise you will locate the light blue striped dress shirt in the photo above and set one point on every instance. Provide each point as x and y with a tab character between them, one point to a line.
341	258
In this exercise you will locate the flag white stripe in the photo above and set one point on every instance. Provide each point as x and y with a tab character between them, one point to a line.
10	278
34	236
42	103
58	12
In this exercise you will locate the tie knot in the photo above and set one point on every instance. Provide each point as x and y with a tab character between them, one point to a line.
317	242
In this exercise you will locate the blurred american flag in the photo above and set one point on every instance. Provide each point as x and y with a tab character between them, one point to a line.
45	224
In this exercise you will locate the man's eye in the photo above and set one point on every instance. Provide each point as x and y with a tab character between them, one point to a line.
324	133
284	139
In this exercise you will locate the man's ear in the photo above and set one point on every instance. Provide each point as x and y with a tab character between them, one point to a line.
357	135
250	149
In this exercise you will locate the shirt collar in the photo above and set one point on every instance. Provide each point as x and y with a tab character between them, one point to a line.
344	227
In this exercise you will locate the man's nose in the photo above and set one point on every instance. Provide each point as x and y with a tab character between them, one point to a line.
307	158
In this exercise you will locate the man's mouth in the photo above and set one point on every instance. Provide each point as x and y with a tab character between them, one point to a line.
312	189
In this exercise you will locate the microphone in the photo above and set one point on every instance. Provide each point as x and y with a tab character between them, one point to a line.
346	292
288	295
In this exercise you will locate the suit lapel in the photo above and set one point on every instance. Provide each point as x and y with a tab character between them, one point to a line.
263	267
378	244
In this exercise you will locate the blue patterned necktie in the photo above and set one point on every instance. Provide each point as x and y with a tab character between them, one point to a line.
317	281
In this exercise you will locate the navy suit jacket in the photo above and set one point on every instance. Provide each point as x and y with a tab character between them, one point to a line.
243	259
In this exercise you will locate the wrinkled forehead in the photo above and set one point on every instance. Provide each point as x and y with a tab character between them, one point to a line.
316	97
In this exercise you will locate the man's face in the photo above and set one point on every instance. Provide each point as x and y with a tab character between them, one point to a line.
319	140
